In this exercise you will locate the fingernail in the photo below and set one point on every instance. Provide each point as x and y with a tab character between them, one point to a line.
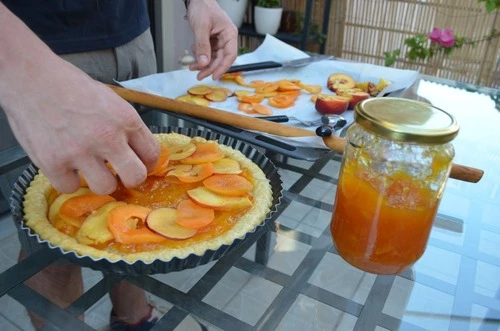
203	59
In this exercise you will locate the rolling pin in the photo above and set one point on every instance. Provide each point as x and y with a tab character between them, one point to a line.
335	143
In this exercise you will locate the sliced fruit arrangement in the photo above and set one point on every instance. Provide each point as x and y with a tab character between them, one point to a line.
283	93
202	95
214	184
280	94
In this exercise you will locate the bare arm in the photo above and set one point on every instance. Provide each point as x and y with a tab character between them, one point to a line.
65	120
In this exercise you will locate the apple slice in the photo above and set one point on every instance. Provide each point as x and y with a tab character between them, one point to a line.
94	229
193	216
163	222
61	199
196	100
205	152
206	198
162	163
240	93
340	81
331	104
199	90
216	95
230	185
179	152
227	166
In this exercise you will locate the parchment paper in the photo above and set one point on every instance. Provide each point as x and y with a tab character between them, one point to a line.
175	83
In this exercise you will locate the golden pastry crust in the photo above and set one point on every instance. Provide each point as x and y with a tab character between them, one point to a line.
36	209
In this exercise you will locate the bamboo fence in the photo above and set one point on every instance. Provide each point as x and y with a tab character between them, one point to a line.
362	30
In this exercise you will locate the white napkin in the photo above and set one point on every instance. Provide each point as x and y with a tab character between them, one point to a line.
175	83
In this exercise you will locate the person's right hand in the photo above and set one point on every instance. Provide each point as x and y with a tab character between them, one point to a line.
66	121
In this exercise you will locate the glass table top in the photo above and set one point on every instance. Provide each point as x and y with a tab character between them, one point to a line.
291	278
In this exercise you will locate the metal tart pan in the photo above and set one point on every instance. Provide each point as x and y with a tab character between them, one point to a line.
157	266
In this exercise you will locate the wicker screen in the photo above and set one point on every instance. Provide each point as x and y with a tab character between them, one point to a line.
362	30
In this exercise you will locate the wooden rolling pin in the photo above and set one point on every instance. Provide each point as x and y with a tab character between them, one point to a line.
459	172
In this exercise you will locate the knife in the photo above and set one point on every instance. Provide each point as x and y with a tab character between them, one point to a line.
273	64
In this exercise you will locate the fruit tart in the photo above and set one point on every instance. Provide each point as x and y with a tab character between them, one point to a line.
200	196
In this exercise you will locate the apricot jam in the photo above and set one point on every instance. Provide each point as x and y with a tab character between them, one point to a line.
394	169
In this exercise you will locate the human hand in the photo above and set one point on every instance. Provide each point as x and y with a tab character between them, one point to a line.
66	121
216	38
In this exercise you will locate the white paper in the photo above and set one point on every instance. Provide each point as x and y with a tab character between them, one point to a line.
175	83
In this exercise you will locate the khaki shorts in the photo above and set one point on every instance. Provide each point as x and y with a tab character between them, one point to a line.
132	60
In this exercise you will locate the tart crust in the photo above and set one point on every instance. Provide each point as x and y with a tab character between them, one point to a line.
36	209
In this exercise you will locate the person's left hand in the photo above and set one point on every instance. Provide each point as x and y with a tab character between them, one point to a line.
216	38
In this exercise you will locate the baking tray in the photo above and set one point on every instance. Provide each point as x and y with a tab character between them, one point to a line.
157	266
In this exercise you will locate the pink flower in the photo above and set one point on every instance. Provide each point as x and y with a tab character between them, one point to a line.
447	39
444	38
435	35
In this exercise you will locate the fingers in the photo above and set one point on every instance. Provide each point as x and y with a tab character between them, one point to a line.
202	47
146	146
216	61
98	176
64	180
229	54
129	167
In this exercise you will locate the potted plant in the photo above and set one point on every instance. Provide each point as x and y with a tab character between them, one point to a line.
235	9
267	16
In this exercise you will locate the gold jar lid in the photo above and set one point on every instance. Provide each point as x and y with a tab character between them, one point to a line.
406	120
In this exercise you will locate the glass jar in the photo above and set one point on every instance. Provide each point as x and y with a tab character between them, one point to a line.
395	165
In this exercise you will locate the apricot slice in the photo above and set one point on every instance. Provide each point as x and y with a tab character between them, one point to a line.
83	205
267	94
162	163
231	185
231	76
127	224
179	152
261	109
311	88
286	85
216	95
206	198
246	107
227	166
61	199
240	93
193	216
250	98
94	229
240	81
267	87
282	101
198	173
199	90
163	222
205	152
225	90
201	101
